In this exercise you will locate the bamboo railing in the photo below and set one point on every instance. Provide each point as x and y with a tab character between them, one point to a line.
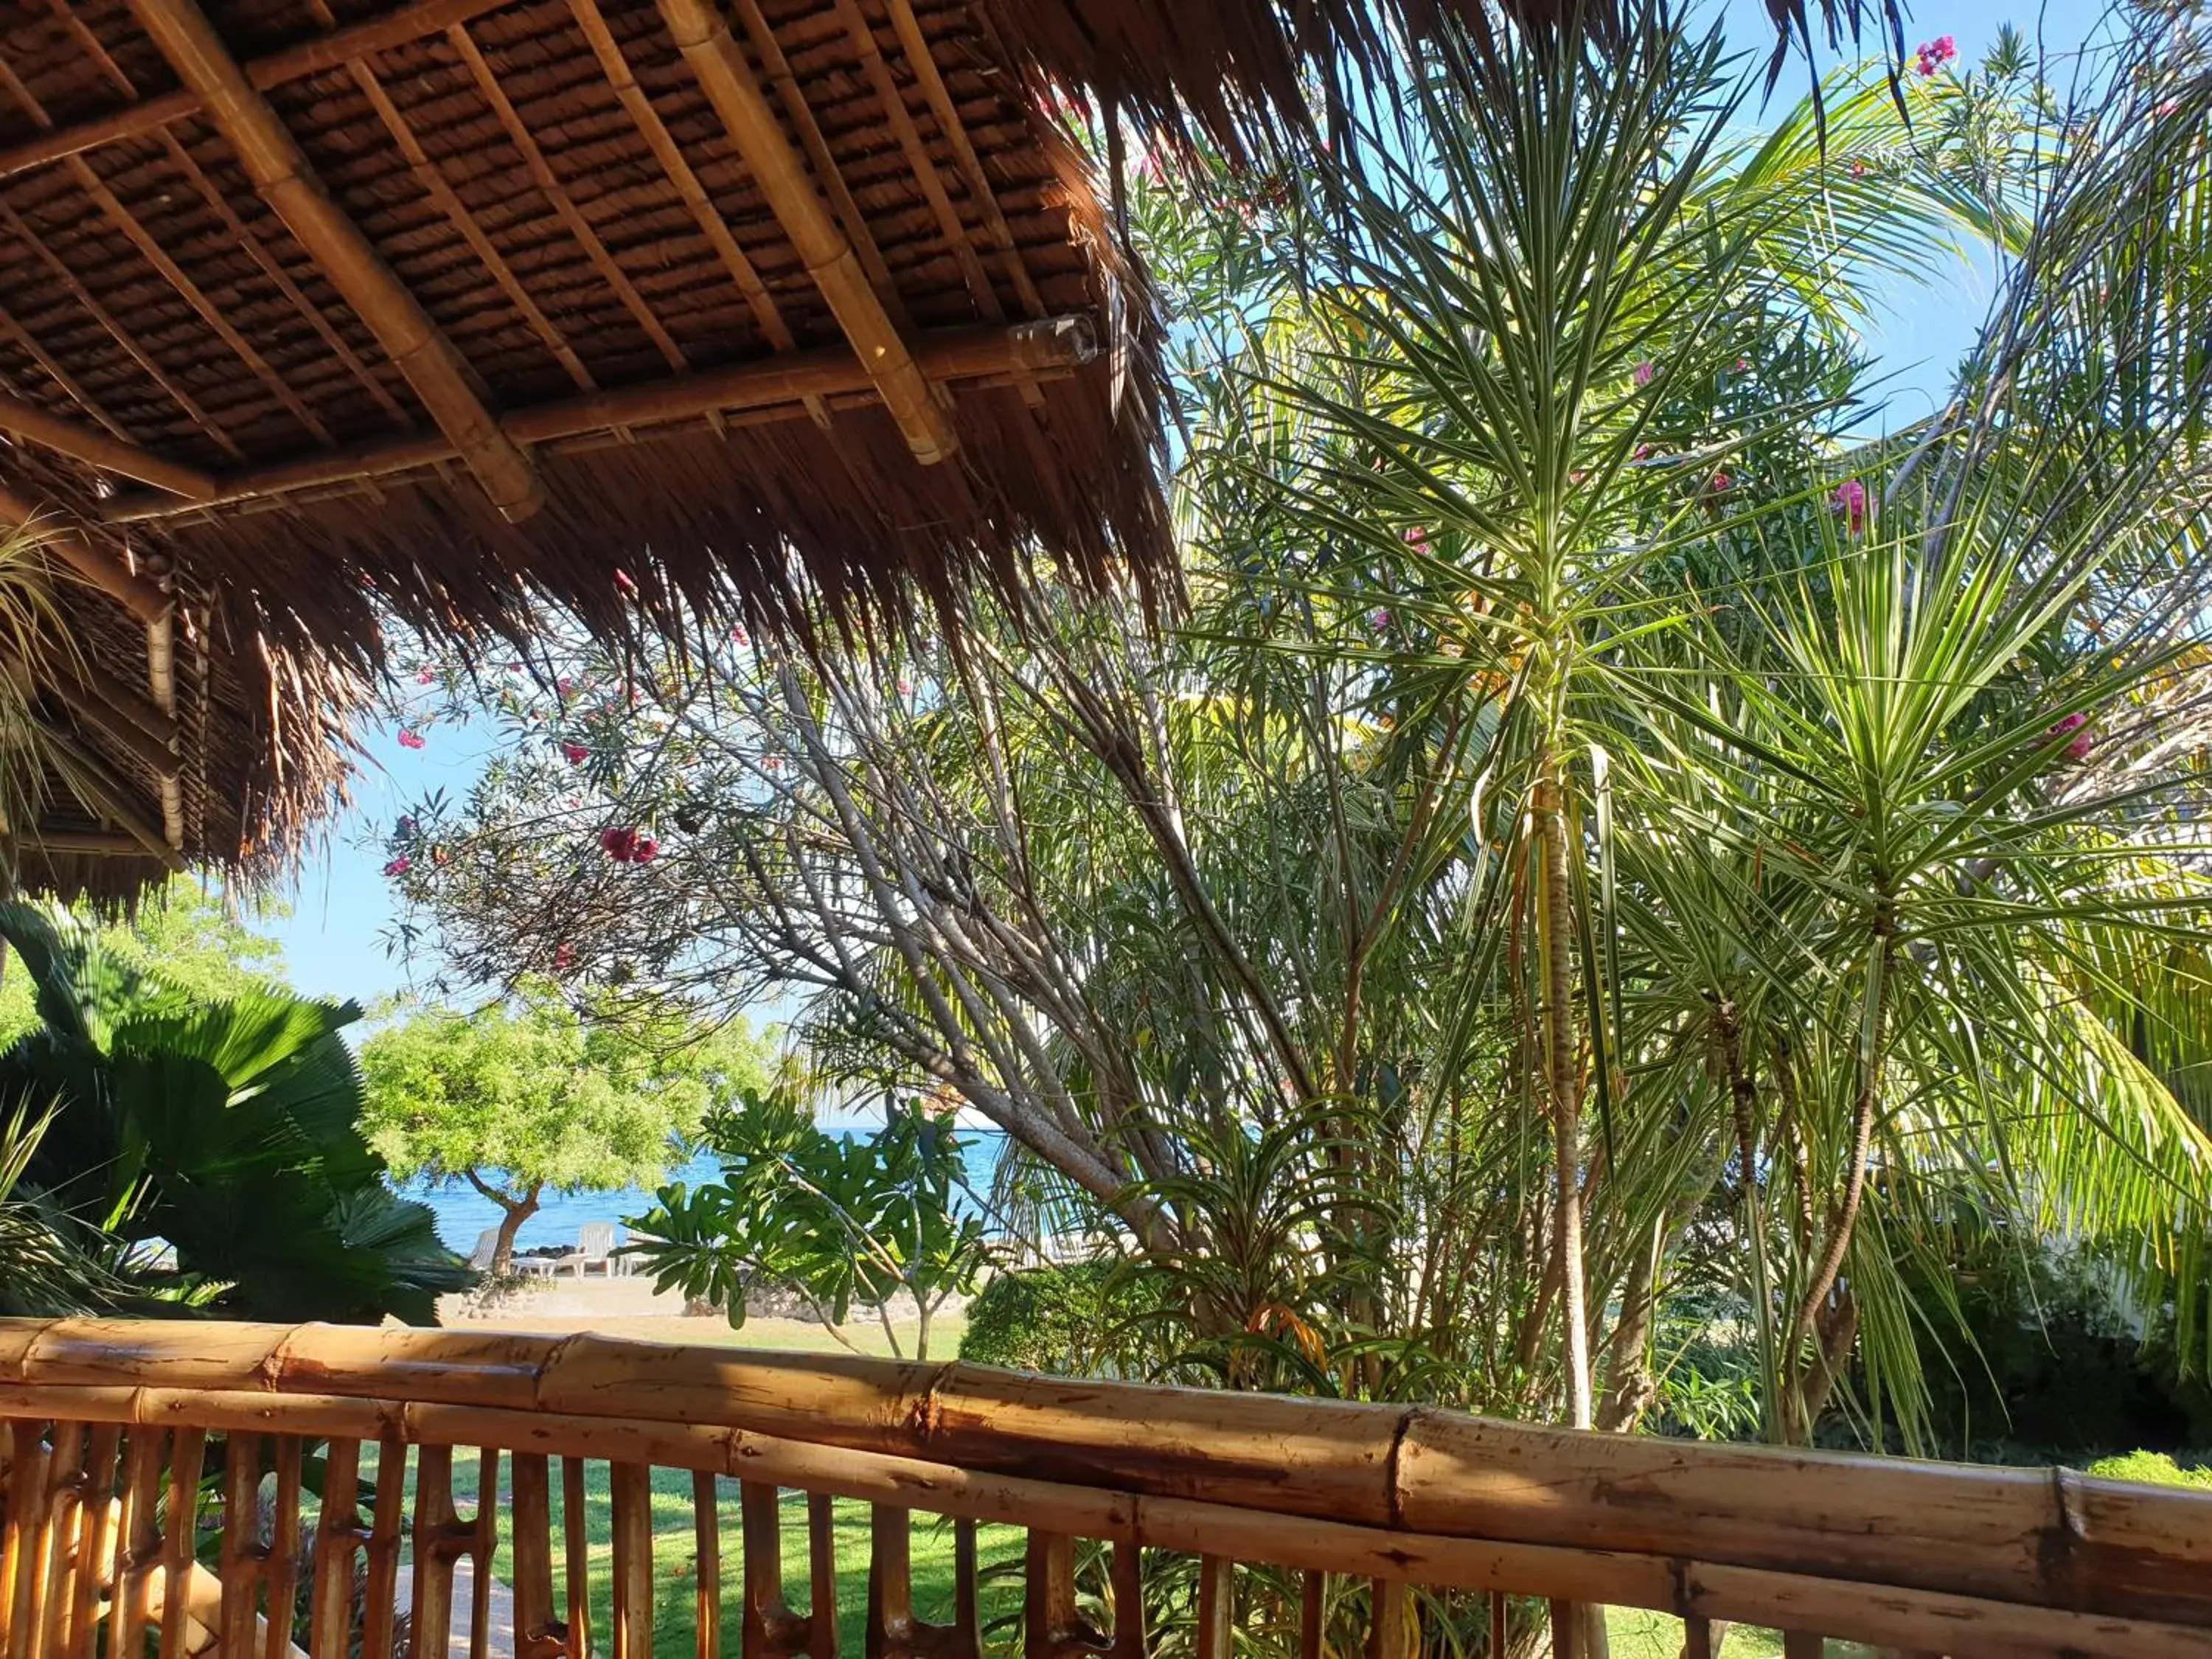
1409	1516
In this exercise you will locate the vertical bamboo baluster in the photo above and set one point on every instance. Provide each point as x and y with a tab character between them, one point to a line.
383	1550
1211	1638
1129	1639
820	1577
967	1613
1048	1595
64	1510
1697	1638
27	1561
483	1545
430	1624
1566	1631
1390	1625
338	1535
97	1541
630	1488
890	1584
180	1535
138	1544
13	1442
1313	1615
576	1565
1499	1610
241	1482
707	1572
761	1528
280	1569
531	1565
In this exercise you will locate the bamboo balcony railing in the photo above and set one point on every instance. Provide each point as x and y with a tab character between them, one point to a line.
1384	1522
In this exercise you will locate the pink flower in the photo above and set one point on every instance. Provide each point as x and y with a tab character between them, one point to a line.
738	637
906	688
1742	364
1644	373
1719	481
575	753
644	850
514	668
565	686
1644	452
1851	502
564	957
1933	54
1860	169
1148	168
2078	749
771	764
424	677
398	867
623	583
1379	621
406	824
409	739
1417	538
618	843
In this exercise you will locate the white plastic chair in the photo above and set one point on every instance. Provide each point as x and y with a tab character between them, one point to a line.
595	1240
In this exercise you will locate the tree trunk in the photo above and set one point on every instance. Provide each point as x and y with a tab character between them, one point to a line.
1562	1080
514	1211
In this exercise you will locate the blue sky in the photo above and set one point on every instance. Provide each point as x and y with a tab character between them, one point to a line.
339	903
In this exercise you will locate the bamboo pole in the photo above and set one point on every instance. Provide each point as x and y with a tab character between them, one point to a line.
138	1527
180	1535
1212	1639
781	176
32	425
283	176
430	1621
630	1492
102	568
576	1562
241	1580
817	1636
888	1631
161	683
281	1567
337	1538
382	1547
1391	1629
25	1567
706	1569
1313	1617
483	1544
1046	349
98	1540
531	1533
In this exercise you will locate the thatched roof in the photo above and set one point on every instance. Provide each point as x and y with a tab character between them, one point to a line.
316	311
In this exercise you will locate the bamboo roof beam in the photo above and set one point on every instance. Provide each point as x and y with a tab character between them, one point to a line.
1052	348
72	387
161	681
783	179
362	40
32	424
92	782
90	844
282	176
100	567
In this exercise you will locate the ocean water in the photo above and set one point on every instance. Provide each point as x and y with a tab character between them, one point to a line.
463	1212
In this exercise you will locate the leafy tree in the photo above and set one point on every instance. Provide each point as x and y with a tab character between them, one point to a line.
225	1131
194	939
528	1095
841	1221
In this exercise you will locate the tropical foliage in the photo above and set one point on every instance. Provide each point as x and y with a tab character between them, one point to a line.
1609	841
839	1221
172	1153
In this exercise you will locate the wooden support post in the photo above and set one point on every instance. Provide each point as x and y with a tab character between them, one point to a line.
1500	1622
337	1537
483	1545
383	1546
283	178
706	1569
1214	1638
890	1632
27	420
430	1621
1313	1615
781	175
1390	1620
180	1528
576	1559
96	1540
535	1637
25	1566
629	1491
820	1633
241	1579
138	1527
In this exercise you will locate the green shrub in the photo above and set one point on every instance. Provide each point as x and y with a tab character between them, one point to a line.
1078	1320
2153	1470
